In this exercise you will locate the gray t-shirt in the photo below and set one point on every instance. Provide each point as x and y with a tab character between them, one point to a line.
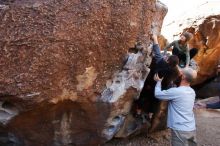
180	108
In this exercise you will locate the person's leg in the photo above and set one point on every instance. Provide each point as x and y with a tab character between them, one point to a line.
183	138
176	139
193	52
192	141
181	56
175	51
159	119
213	105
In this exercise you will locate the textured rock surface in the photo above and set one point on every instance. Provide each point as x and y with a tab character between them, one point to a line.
163	42
209	88
64	77
203	20
207	40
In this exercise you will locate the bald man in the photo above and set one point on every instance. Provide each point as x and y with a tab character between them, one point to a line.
181	99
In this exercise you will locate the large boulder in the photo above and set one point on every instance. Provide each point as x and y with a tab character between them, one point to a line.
203	21
65	78
207	40
210	88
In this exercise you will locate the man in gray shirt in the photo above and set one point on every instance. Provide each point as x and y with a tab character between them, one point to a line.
181	99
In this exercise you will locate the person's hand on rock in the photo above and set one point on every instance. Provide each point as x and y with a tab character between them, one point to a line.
154	38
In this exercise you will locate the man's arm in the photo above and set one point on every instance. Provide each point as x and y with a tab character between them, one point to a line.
157	55
156	49
164	94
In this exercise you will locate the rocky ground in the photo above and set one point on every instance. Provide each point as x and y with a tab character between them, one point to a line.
208	132
157	139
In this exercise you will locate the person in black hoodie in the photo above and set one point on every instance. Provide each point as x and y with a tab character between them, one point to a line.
166	67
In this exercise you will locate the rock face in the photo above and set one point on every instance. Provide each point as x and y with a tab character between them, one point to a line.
203	21
163	42
65	78
210	89
207	40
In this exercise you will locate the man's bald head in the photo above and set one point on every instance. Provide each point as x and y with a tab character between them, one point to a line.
189	74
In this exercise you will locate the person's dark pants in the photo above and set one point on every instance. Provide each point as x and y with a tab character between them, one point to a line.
213	105
182	56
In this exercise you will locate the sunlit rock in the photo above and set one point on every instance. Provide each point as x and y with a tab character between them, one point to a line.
70	69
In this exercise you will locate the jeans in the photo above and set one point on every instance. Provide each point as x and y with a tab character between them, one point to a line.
182	56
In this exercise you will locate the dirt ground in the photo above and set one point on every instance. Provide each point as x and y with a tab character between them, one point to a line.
208	132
